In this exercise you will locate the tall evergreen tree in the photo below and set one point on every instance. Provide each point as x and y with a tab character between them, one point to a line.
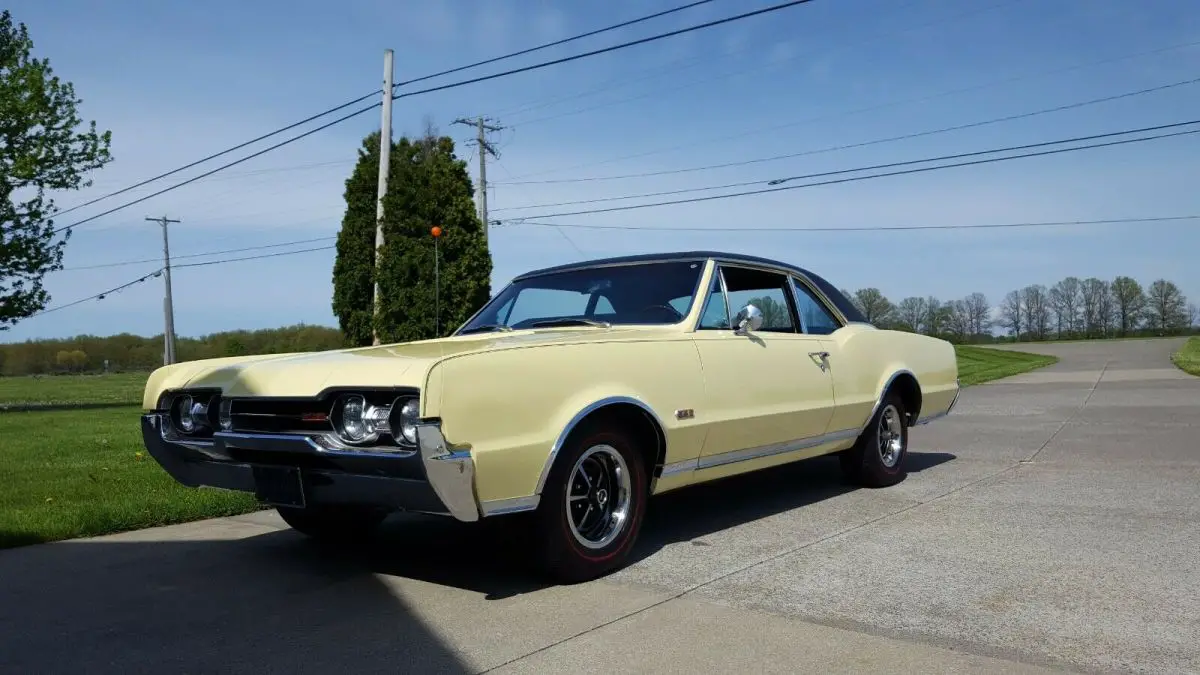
428	186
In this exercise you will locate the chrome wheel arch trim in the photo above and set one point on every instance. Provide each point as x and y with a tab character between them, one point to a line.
883	392
588	410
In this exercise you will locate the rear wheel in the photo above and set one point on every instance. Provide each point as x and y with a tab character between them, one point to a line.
877	458
334	522
592	506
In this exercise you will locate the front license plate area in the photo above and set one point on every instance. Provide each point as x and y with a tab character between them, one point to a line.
279	485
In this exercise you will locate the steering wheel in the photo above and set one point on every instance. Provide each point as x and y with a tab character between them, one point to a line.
675	315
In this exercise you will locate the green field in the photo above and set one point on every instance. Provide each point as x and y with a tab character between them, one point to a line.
79	473
977	365
66	474
61	390
1187	358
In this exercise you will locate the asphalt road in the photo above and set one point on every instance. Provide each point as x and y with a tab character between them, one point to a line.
1051	523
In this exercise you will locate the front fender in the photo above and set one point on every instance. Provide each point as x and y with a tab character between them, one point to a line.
513	408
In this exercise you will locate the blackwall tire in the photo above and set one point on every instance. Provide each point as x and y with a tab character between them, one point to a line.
592	506
878	456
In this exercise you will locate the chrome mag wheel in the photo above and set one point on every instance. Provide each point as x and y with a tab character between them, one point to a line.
891	436
599	493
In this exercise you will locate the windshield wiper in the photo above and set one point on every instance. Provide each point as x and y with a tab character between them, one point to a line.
485	328
552	323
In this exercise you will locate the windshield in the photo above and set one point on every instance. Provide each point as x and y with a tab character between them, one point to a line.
655	293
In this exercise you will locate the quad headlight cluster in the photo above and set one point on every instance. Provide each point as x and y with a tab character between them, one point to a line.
198	413
366	419
358	421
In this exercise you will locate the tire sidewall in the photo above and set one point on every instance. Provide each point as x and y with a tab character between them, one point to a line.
567	558
874	460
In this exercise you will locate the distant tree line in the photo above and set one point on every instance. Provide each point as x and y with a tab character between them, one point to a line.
1071	309
125	352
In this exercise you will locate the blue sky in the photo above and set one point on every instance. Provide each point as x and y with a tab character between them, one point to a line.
176	81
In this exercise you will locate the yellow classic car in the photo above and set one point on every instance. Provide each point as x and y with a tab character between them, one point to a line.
576	393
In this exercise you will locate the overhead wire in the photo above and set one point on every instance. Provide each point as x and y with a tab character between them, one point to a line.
376	92
870	228
989	160
126	263
763	64
873	167
514	71
102	295
877	141
872	108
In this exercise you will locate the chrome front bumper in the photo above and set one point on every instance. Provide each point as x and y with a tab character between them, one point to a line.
295	470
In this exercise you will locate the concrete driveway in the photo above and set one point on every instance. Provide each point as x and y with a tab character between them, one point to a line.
1050	523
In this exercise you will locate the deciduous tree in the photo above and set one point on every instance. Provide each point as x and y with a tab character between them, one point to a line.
874	306
42	149
1129	301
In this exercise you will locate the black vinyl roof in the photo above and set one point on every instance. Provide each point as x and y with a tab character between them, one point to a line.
847	308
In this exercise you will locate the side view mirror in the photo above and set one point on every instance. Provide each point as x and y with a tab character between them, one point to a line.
748	320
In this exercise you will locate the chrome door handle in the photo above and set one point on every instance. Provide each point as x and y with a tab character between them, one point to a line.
824	356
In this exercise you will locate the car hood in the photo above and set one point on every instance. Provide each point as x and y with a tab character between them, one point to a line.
406	364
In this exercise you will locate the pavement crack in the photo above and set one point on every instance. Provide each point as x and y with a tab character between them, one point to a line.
1073	415
775	556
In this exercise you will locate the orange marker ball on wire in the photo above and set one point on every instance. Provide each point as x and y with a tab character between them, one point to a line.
436	231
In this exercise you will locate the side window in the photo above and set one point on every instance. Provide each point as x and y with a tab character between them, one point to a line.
814	317
766	290
715	315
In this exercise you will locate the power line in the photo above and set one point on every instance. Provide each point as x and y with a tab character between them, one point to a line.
125	263
850	179
210	172
889	165
867	228
881	106
376	91
536	66
102	295
878	141
765	64
611	48
255	257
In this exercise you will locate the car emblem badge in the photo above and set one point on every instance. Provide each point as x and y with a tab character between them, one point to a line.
602	497
685	414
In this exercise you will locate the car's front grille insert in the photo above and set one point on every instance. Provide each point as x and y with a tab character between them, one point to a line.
279	416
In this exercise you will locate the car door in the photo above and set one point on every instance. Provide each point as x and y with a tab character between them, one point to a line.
766	390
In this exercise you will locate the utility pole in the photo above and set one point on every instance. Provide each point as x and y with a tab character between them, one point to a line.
485	149
168	305
385	156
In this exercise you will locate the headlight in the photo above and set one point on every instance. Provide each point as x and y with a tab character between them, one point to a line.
359	422
183	414
404	420
225	414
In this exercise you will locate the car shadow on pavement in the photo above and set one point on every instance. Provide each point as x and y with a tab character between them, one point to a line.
494	556
692	513
266	603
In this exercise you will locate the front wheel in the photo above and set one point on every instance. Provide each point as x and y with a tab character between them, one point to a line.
877	458
592	505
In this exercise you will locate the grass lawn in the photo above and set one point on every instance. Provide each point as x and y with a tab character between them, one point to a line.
79	473
114	389
980	364
1187	358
